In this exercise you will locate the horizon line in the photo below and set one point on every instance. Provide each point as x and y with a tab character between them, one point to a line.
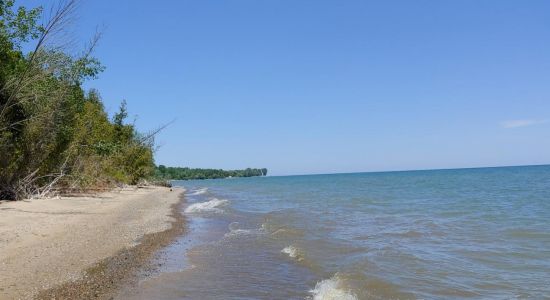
413	170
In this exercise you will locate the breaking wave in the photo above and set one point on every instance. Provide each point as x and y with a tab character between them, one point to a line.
332	289
208	206
293	252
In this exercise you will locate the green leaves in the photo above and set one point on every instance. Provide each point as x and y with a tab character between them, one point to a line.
66	68
121	115
20	25
86	68
49	126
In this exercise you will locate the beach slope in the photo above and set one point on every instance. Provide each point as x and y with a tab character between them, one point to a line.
51	247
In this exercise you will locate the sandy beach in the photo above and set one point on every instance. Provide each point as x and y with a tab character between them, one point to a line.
82	247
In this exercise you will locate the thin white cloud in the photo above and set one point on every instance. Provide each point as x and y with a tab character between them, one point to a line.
521	123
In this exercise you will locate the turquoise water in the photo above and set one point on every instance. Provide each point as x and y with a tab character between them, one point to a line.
443	234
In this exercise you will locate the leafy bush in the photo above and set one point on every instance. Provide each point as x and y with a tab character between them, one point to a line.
54	135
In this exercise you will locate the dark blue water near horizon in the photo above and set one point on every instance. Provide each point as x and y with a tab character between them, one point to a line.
479	233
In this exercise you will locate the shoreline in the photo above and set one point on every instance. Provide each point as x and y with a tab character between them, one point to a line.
85	247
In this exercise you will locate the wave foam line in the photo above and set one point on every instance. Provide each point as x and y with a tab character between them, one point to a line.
234	230
199	192
208	206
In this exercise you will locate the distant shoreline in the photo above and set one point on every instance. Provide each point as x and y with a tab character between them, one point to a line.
163	172
84	247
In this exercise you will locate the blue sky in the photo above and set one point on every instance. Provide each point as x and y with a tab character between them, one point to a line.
320	86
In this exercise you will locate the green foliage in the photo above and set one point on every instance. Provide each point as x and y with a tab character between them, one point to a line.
122	114
51	130
19	25
175	173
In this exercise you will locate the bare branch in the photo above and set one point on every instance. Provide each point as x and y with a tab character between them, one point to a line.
149	136
60	16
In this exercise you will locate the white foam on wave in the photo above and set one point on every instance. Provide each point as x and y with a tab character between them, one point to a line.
199	192
292	252
208	206
279	231
332	289
234	230
239	232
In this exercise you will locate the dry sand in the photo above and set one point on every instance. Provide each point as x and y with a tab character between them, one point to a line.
80	247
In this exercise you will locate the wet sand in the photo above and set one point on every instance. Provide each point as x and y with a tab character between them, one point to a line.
84	247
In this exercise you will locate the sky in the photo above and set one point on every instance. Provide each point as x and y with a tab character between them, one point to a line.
317	86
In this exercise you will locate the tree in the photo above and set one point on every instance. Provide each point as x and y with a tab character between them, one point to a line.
54	134
176	173
121	115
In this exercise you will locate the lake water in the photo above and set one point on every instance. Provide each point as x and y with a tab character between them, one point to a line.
444	234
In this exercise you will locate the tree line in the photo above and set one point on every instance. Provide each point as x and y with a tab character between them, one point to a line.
54	135
177	173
